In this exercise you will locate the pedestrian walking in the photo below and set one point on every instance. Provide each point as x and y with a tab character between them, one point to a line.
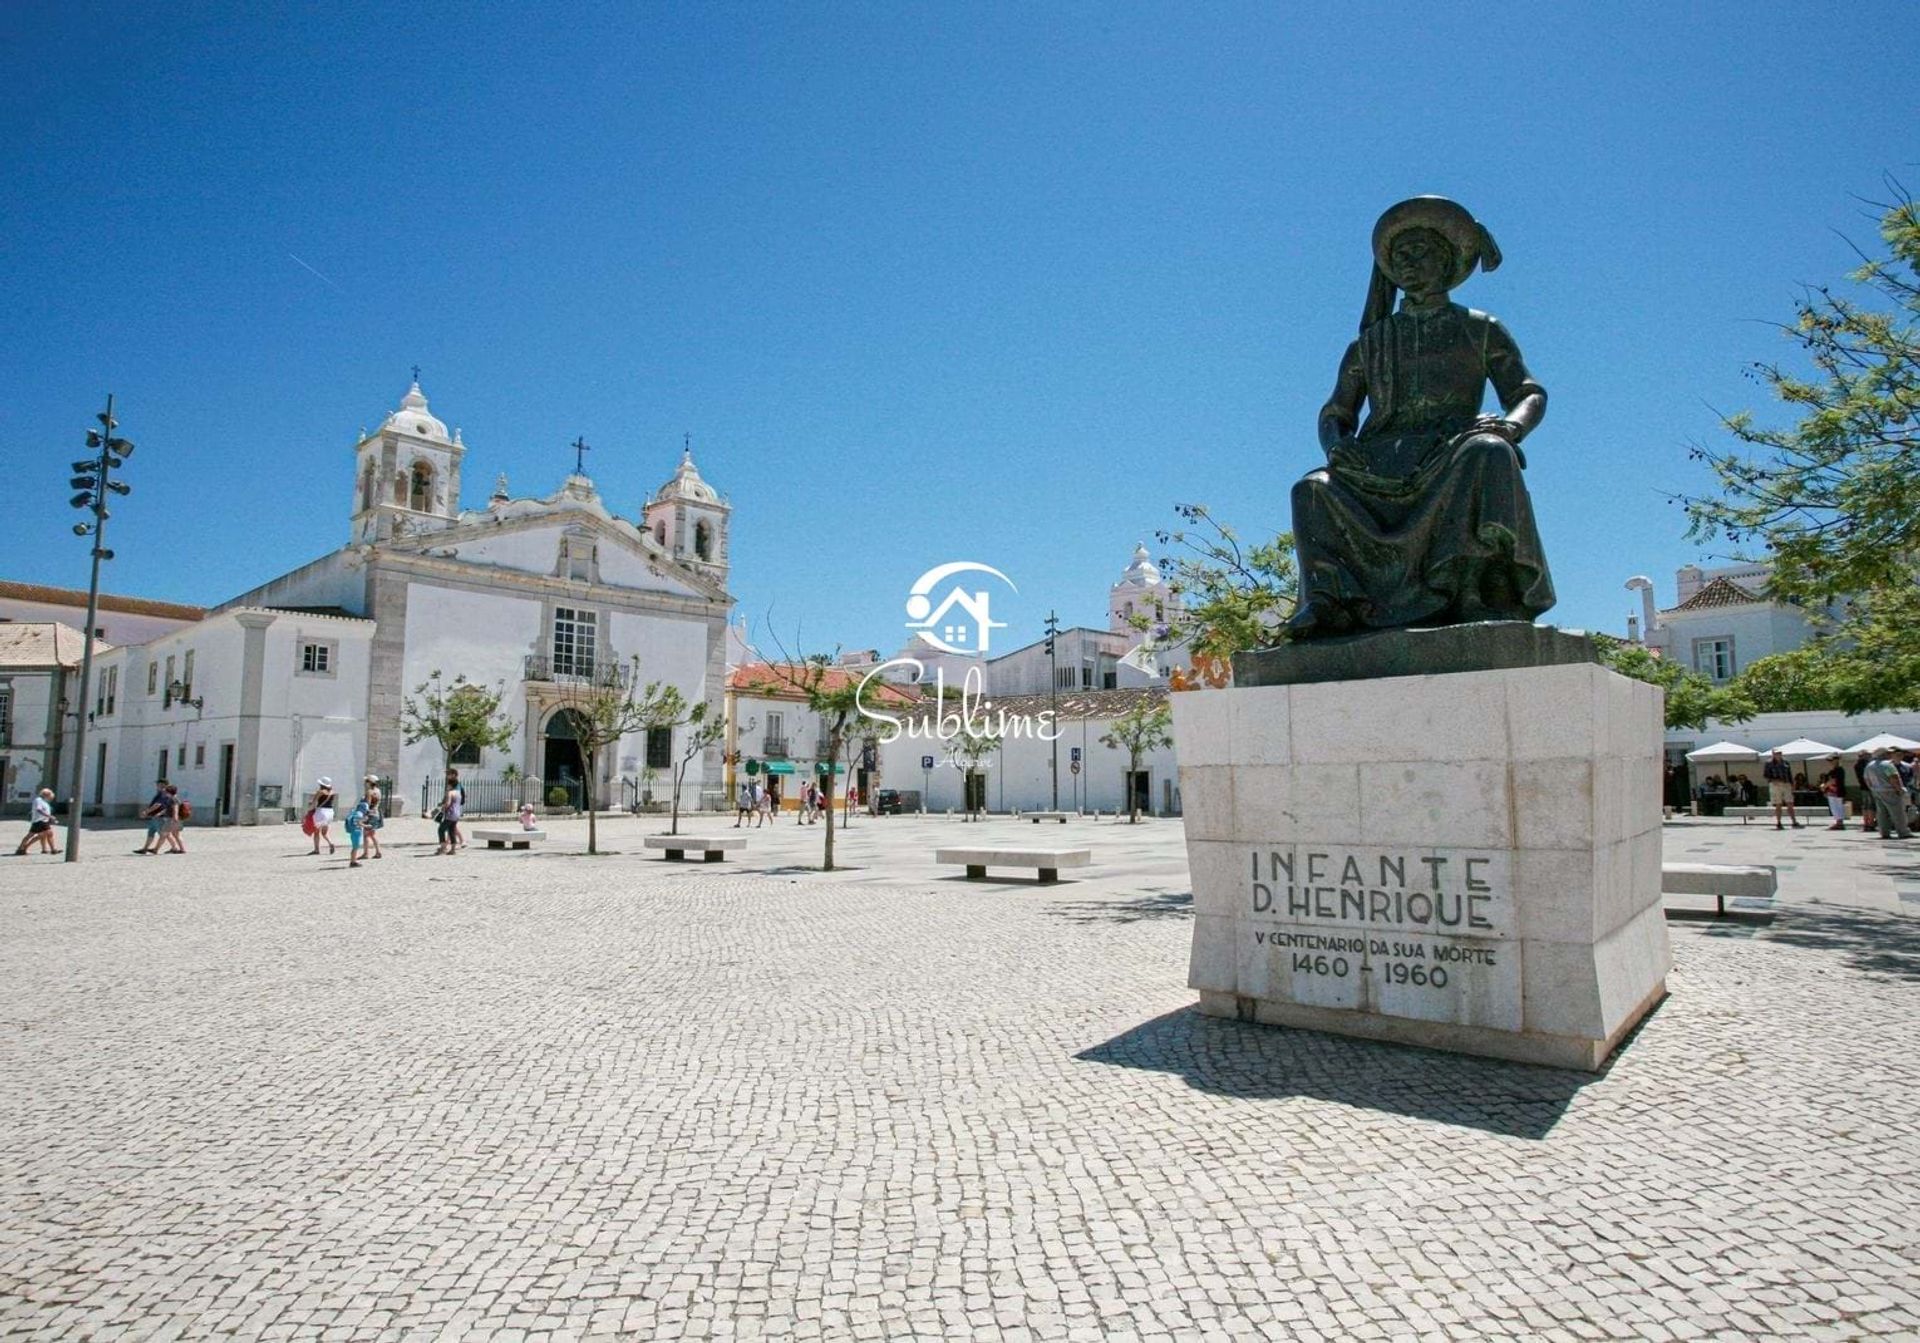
1889	797
155	815
1779	776
375	801
178	811
320	808
39	824
357	829
763	805
742	802
452	803
1833	784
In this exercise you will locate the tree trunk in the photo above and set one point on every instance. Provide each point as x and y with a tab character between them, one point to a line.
673	826
593	830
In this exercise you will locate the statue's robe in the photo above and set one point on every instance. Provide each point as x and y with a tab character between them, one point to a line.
1419	522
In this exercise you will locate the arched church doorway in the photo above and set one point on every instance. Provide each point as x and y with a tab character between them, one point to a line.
562	763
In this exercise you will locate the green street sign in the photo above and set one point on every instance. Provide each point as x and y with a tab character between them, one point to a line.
753	766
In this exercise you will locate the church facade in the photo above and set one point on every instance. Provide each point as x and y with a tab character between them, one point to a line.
533	596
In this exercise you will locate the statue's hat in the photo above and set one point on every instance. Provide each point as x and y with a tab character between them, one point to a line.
1472	244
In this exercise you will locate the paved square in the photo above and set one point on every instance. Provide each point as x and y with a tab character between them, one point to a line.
252	1094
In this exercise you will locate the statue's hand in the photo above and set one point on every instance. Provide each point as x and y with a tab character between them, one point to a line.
1497	424
1344	452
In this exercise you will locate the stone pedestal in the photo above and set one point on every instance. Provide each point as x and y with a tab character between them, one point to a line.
1467	861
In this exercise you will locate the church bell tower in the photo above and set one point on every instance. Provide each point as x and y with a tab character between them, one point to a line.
406	473
689	519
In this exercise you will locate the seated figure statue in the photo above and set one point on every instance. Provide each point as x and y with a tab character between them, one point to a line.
1420	517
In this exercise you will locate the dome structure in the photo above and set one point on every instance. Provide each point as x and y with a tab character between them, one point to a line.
1142	573
686	484
414	418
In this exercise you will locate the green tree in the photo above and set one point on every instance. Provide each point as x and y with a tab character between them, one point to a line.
1233	595
1146	727
1691	698
1834	498
1869	661
834	695
604	708
703	730
456	714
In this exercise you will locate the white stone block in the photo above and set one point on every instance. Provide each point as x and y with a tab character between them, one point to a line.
1553	802
1628	960
1459	804
1220	872
1554	893
1641	793
1259	725
1200	730
1555	712
1401	718
1206	800
1562	992
1213	964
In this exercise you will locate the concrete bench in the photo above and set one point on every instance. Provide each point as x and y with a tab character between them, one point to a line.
1047	861
1719	881
678	846
1038	816
515	838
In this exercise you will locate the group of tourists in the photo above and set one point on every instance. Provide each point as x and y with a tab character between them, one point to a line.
1882	785
362	820
756	801
164	815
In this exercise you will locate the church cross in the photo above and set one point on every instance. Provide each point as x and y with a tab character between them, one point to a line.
416	373
580	451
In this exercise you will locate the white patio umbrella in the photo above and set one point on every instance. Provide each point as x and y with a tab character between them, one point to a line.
1722	750
1805	748
1883	742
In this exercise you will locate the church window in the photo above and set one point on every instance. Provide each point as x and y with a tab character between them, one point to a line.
660	532
702	541
366	487
186	676
1159	611
659	748
420	494
464	753
574	640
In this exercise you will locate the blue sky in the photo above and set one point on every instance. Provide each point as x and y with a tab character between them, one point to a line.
924	282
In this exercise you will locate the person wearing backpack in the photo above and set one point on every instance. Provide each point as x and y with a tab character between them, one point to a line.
359	825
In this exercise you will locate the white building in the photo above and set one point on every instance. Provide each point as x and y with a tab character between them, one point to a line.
39	689
307	674
117	620
1721	622
1019	775
770	725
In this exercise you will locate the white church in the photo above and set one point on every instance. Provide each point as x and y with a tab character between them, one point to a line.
306	675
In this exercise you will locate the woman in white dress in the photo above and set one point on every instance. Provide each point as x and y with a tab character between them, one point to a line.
322	808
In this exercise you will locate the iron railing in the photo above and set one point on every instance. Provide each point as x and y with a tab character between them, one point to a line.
603	671
774	748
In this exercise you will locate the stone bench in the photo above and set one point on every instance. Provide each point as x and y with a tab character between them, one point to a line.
1047	861
678	846
515	838
1038	816
1719	881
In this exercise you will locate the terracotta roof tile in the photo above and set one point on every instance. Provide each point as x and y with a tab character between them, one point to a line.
77	597
775	681
1720	592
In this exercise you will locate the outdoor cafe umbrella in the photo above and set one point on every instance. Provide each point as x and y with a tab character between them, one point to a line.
1720	751
1885	741
1805	748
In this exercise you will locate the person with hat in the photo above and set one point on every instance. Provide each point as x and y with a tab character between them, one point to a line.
1420	516
1889	796
320	808
1779	776
374	818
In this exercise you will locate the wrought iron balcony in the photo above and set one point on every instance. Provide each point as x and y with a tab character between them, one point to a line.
605	671
774	748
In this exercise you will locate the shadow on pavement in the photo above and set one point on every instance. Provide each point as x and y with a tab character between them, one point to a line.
1252	1062
1161	905
1877	943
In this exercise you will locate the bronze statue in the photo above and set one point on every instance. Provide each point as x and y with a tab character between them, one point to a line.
1421	518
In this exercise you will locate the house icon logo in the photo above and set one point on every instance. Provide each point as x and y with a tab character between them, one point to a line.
959	622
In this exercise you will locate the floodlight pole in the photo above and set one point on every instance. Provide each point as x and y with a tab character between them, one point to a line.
76	804
1053	700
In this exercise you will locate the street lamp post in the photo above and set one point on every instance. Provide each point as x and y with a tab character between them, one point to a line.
1053	700
94	480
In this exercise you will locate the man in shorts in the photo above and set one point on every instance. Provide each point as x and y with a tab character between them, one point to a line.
156	816
39	825
1779	777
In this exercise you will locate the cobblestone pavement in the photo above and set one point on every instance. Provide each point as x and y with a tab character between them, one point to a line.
247	1093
